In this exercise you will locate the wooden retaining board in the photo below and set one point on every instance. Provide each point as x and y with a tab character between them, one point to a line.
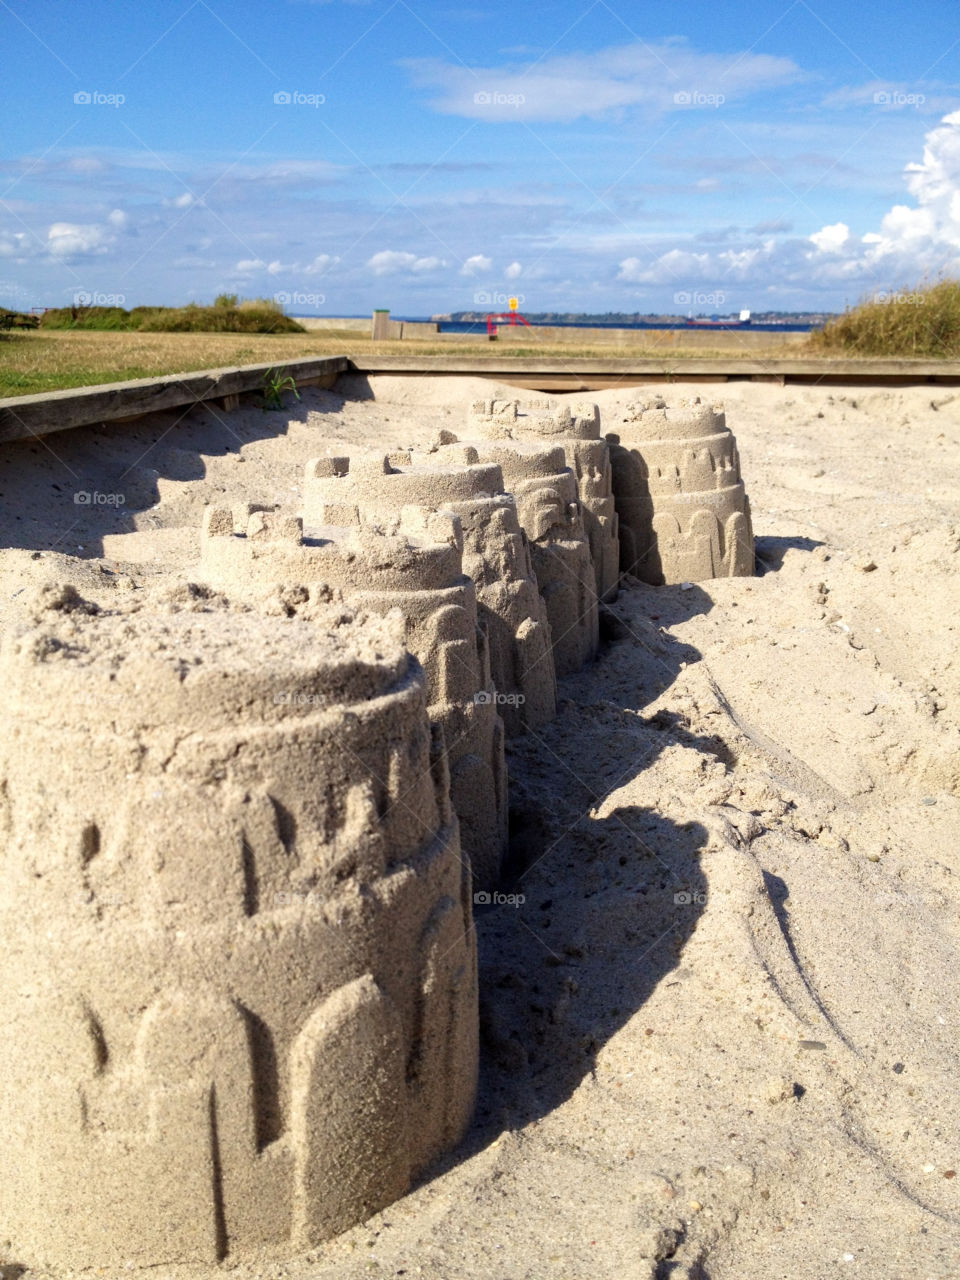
40	415
23	416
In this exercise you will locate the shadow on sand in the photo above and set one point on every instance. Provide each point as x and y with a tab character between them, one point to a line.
66	491
769	552
609	898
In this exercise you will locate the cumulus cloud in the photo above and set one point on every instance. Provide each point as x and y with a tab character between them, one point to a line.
831	239
514	271
76	240
680	265
668	76
390	262
913	241
476	265
277	267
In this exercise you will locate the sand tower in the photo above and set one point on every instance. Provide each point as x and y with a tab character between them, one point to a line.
495	555
545	490
577	428
684	514
238	996
411	562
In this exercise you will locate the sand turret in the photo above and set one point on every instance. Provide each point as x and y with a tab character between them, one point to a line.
550	513
495	555
577	428
238	991
684	513
411	561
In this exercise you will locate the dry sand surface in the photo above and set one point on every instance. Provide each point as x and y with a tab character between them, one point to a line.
720	1031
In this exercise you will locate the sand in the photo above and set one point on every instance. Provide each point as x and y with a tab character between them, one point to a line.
719	1010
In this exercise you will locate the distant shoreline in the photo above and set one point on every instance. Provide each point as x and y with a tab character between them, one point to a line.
450	325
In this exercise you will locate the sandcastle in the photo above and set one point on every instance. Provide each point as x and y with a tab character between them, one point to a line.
412	563
495	555
548	506
684	513
240	989
239	982
577	428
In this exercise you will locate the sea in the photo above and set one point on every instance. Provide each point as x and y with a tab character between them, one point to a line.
480	326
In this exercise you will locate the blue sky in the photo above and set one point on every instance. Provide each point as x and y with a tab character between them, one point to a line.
586	155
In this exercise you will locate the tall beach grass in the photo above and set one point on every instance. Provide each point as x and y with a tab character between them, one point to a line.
905	323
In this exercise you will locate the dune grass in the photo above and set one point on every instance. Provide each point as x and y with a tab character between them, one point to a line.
919	322
227	315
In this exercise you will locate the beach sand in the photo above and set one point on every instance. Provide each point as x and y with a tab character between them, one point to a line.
720	1031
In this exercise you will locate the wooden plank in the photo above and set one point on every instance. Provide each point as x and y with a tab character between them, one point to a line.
559	374
486	366
22	416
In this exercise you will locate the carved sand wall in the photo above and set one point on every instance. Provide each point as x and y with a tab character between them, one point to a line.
495	555
684	513
548	506
411	562
238	975
577	428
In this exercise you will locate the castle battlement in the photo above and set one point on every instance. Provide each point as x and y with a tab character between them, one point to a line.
550	513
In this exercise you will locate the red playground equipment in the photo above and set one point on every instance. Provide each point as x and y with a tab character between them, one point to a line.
513	315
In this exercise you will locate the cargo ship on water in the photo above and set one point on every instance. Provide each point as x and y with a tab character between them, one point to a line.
719	322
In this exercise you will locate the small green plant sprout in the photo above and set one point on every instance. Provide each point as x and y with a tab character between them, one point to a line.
275	383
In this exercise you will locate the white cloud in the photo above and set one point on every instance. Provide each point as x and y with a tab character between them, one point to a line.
514	271
476	265
117	218
186	200
391	262
888	95
85	164
662	77
831	239
247	265
75	240
282	173
913	241
320	264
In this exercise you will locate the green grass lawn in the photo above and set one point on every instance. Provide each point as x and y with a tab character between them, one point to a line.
37	360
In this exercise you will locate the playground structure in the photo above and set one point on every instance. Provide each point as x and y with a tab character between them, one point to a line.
513	318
